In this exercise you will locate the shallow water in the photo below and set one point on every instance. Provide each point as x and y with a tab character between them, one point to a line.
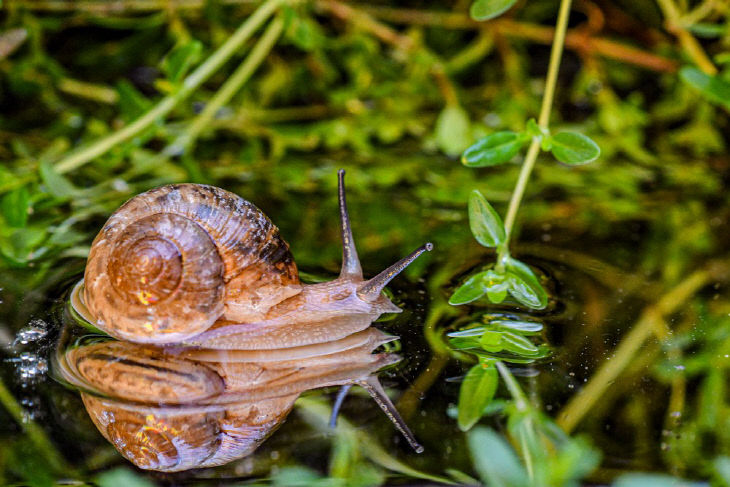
582	326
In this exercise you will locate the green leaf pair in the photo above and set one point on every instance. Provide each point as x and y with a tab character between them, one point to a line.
496	341
517	279
512	277
568	147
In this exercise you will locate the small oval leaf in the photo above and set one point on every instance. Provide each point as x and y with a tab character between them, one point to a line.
485	223
574	148
469	332
472	289
494	149
519	326
524	285
491	341
452	130
476	393
518	344
489	9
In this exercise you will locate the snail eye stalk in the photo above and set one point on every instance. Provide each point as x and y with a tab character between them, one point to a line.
372	288
350	262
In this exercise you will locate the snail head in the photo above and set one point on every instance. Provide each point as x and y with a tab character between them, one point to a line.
368	292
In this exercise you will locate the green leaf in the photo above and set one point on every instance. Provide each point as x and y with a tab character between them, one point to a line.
496	297
491	341
475	394
721	466
488	9
179	61
519	326
649	480
469	332
713	88
494	149
15	206
132	103
18	245
524	285
707	30
485	223
518	344
305	33
494	460
573	148
472	289
452	130
55	183
122	476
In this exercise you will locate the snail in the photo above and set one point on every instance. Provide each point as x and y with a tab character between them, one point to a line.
195	265
175	409
206	290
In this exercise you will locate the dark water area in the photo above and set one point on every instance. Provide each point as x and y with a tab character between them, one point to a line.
584	322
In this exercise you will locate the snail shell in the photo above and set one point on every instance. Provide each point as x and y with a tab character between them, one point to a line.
173	260
196	265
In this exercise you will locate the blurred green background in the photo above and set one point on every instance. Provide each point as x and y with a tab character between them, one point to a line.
101	100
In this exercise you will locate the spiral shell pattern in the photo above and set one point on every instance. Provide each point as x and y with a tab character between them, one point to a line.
173	260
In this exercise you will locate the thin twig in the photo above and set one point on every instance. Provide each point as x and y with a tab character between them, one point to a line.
164	106
232	85
575	39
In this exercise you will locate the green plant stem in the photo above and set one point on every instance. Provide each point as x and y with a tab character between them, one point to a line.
543	120
525	433
232	85
189	85
514	388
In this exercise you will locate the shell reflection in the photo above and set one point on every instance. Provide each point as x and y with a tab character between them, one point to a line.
176	408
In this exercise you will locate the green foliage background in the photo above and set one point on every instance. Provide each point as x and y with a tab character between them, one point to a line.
394	92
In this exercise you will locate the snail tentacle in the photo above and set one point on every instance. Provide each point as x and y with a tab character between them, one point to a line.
370	291
341	395
350	262
376	391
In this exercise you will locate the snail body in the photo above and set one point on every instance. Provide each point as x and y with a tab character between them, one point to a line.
196	265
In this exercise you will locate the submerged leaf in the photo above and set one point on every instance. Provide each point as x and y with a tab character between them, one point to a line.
495	461
518	344
476	392
524	285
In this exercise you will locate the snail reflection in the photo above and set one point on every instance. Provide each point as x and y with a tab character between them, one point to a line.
220	336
